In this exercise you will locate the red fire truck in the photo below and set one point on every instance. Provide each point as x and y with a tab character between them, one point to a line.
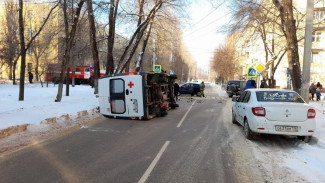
83	74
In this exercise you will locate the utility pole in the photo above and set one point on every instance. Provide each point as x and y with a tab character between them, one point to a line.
307	50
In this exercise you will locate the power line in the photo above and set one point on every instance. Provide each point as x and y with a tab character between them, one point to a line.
210	23
218	6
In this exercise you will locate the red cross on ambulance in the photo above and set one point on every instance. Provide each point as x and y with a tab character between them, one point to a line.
131	84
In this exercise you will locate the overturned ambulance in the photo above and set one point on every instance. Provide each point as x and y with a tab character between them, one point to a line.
136	95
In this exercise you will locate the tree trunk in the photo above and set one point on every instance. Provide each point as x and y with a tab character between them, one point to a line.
73	82
68	50
14	73
66	30
135	46
67	82
139	36
24	47
111	37
140	29
289	29
22	52
10	70
36	68
145	42
94	50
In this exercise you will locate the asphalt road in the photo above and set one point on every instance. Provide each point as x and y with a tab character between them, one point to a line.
194	143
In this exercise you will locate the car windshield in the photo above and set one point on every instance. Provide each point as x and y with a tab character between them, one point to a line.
278	96
233	83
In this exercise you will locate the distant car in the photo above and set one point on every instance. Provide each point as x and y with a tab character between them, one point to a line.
235	87
190	88
274	111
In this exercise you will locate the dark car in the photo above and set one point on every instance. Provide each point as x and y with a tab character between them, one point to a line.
190	88
235	87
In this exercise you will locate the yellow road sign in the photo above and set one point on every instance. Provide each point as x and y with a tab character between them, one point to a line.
259	67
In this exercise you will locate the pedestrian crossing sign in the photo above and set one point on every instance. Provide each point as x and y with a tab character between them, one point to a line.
251	72
157	68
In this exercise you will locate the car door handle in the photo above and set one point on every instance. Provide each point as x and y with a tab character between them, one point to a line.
127	91
243	107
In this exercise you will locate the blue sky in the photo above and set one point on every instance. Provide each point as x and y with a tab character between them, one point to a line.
202	37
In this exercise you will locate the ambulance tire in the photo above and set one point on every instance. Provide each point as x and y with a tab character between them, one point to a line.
164	113
158	114
173	106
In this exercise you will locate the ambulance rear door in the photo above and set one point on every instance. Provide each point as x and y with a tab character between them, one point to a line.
134	95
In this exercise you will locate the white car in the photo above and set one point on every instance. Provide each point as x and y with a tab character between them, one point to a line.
274	111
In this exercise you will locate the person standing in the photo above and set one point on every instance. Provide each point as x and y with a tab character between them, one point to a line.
312	90
318	94
30	77
320	86
176	90
250	84
263	84
202	86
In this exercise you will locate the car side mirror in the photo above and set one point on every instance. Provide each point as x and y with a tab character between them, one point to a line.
234	99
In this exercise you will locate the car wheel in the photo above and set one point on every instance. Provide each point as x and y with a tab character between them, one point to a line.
233	118
247	131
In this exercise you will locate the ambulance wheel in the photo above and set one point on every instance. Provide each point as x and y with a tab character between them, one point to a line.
164	113
158	114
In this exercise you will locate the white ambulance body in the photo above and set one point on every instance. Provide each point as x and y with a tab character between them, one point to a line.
121	96
128	95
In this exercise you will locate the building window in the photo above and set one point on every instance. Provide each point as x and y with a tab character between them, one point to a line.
316	58
30	14
29	32
30	50
316	37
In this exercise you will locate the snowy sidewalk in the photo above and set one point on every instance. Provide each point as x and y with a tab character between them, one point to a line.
39	104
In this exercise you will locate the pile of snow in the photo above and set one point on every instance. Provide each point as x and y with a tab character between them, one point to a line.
39	104
38	116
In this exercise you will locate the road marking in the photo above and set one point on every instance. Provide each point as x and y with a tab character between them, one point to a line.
182	120
153	163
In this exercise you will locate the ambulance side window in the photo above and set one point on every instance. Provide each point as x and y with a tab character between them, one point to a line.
117	86
117	96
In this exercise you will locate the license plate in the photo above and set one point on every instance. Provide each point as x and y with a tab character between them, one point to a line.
286	128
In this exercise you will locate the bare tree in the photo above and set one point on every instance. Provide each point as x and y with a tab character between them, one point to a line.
67	52
288	27
41	46
137	34
143	49
260	16
92	36
111	36
223	58
24	48
9	51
